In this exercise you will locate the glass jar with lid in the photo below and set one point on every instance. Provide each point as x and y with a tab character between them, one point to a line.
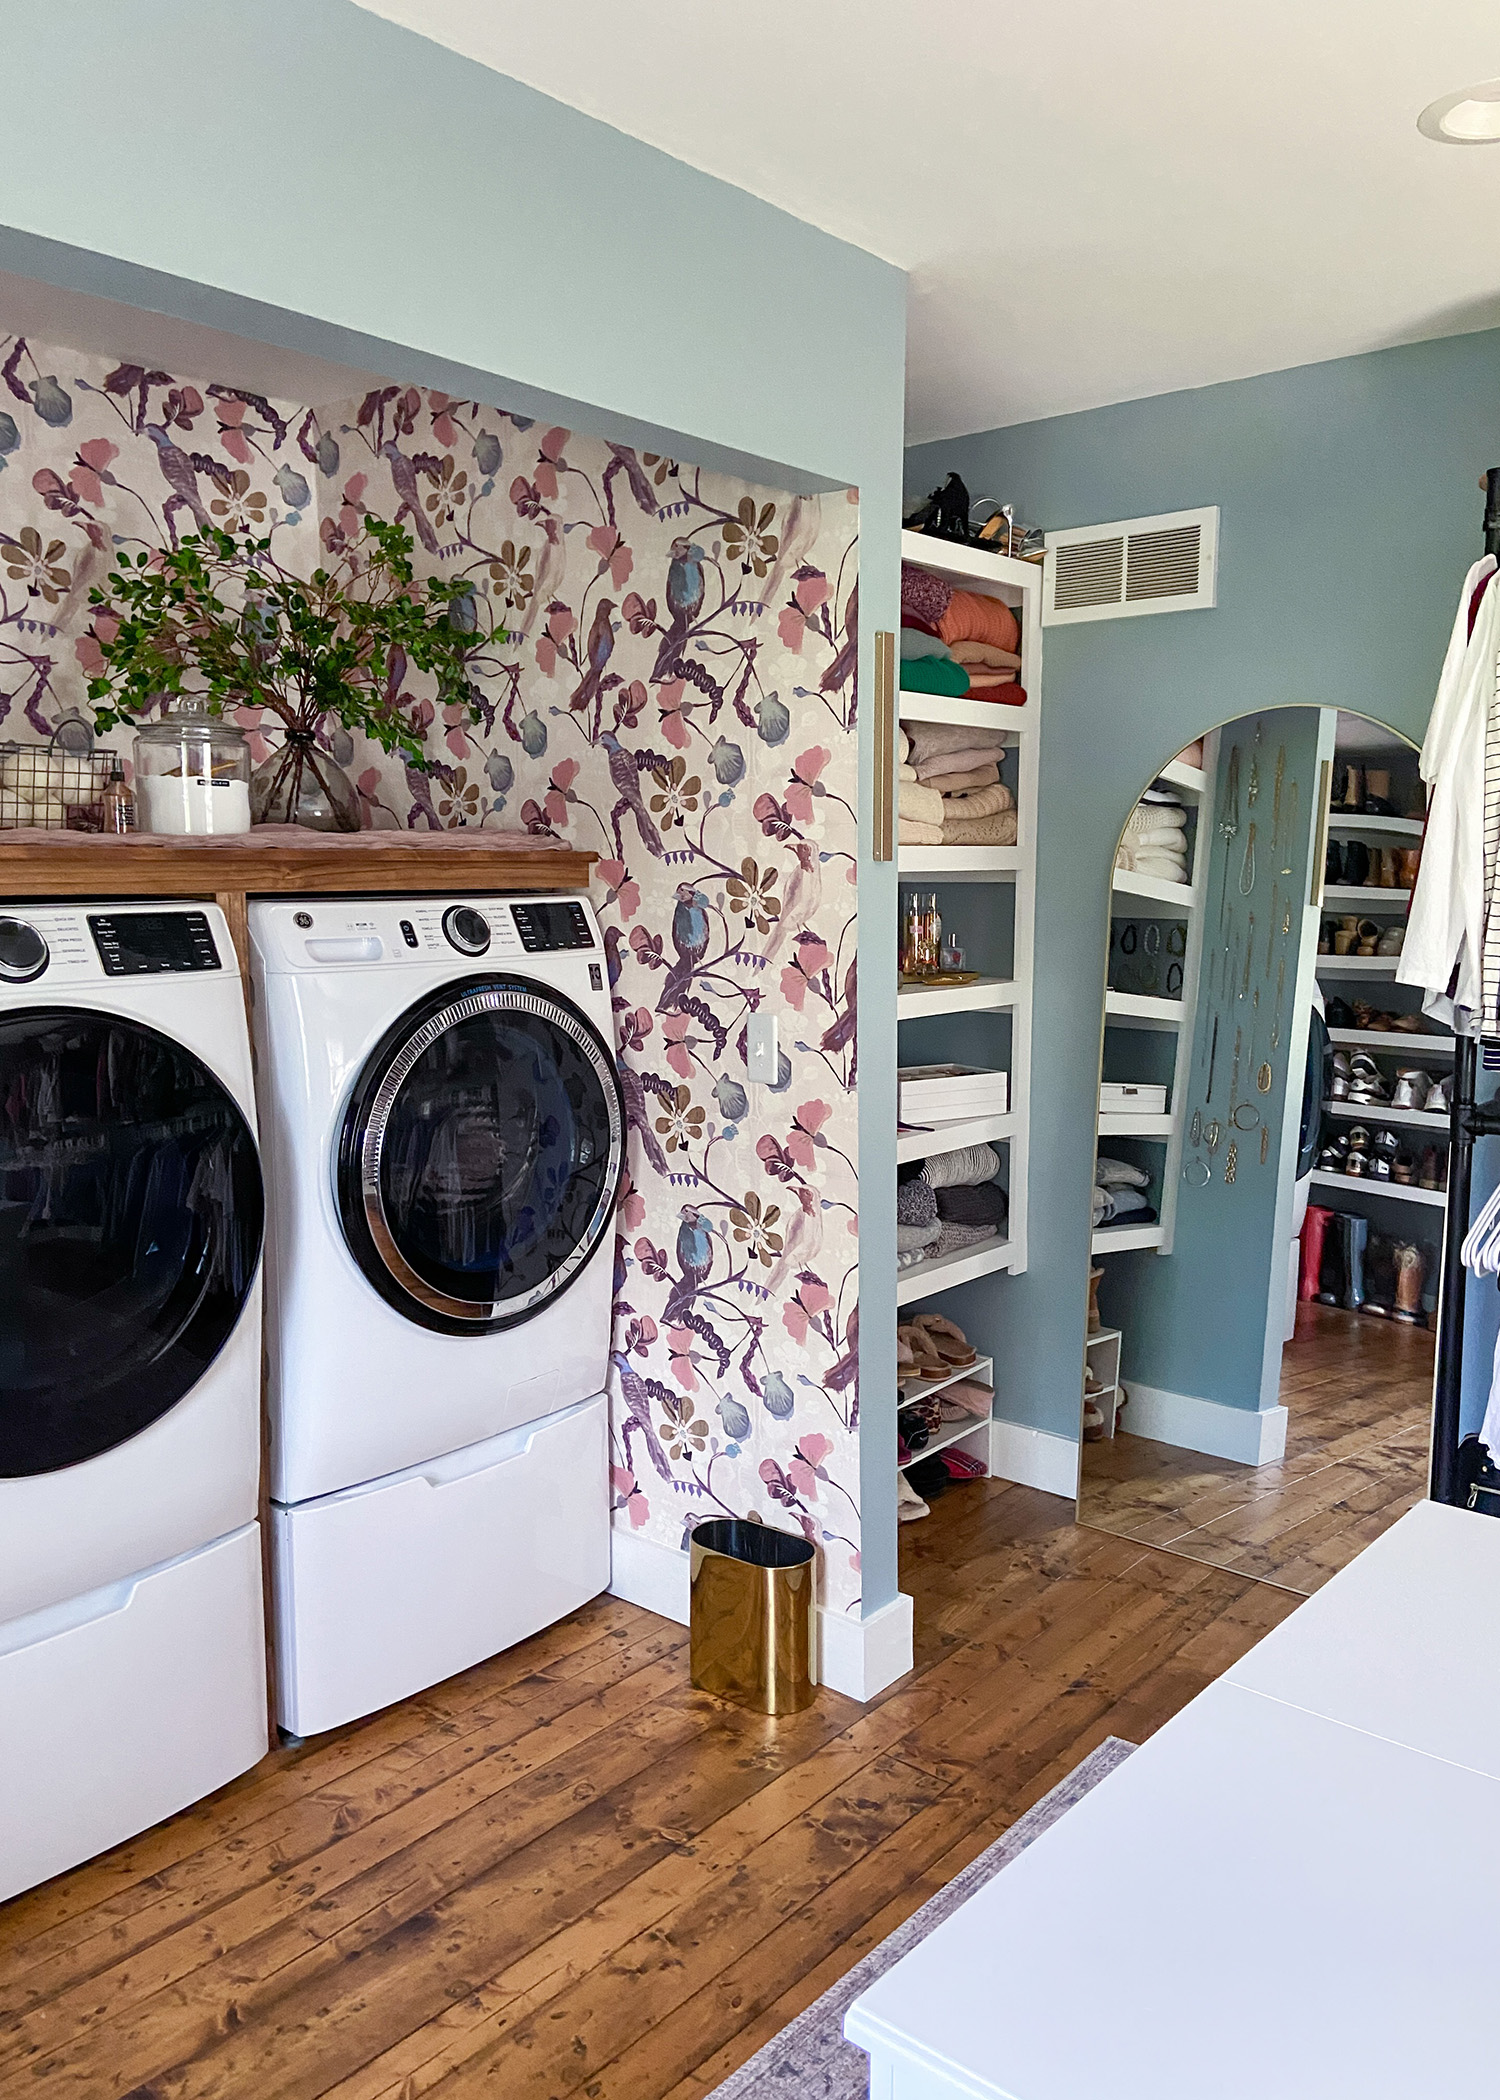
192	772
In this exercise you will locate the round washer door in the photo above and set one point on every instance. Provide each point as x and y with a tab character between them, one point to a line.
131	1218
481	1154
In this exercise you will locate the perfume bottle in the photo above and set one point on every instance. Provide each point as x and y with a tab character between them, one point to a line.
117	801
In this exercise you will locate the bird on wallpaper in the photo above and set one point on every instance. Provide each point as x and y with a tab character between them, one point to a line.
182	478
848	655
841	1034
404	481
685	591
799	904
601	648
638	1118
626	775
625	462
804	1239
690	939
614	943
695	1258
638	1406
846	1371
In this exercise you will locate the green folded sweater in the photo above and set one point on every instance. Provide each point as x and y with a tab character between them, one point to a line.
934	674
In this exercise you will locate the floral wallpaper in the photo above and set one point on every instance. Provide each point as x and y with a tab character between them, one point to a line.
676	693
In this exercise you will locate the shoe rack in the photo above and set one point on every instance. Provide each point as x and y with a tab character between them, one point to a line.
987	898
1128	1016
1377	836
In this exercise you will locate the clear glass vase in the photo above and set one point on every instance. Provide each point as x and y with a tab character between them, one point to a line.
300	784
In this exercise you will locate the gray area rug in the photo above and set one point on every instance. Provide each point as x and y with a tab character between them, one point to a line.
810	2060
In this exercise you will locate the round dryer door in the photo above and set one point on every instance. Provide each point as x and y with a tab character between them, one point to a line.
131	1216
481	1154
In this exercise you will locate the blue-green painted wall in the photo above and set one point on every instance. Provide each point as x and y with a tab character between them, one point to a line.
1350	510
305	174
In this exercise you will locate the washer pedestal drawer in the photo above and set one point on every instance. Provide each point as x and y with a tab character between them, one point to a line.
386	1588
121	1707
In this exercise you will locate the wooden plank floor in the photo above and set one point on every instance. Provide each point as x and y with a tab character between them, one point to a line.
1359	1397
567	1873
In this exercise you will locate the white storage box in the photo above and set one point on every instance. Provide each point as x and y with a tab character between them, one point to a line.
943	1093
119	1708
384	1589
1116	1099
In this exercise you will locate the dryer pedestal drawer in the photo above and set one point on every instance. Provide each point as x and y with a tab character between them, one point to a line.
123	1706
384	1589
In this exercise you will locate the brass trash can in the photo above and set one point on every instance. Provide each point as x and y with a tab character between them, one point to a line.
751	1614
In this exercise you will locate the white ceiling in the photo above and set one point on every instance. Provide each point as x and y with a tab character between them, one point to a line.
1095	200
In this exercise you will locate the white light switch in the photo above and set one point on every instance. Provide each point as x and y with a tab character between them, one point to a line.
761	1049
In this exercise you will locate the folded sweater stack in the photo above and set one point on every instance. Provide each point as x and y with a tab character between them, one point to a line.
951	792
961	644
1120	1193
1155	840
969	1204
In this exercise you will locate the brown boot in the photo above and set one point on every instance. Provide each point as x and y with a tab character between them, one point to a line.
1411	1271
1095	1278
1410	859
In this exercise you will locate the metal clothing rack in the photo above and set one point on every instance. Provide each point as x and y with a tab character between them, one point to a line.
1468	1120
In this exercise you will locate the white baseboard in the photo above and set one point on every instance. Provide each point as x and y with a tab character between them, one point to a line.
652	1576
1255	1437
858	1657
1034	1458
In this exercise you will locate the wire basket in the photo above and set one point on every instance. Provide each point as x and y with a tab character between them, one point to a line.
58	786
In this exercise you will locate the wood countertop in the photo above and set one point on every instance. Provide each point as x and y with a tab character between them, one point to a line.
281	858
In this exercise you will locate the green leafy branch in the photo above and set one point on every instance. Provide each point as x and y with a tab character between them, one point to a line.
224	620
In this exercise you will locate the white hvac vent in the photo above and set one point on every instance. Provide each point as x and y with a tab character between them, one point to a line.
1145	565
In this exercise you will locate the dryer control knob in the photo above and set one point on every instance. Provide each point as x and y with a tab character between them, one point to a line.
23	952
468	930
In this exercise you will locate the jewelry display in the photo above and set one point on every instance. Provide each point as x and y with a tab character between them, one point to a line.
1231	1162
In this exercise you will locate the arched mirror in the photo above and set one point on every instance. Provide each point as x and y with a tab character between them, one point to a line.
1272	1156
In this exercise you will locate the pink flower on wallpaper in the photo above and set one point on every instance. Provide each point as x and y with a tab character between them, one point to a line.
613	554
680	1344
635	1024
805	771
674	724
90	656
813	1298
231	414
93	459
545	478
791	626
560	625
809	1120
628	1496
811	590
554	444
632	1205
558	795
674	1030
806	1468
619	888
811	959
638	613
444	429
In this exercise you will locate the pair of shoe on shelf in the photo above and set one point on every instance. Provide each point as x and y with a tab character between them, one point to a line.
1346	1263
1341	1013
1355	936
931	1347
933	1476
1354	865
1380	1157
1364	791
1359	1081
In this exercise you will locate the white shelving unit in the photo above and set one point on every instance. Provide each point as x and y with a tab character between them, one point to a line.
1372	1112
1136	1010
1362	1185
1357	965
1101	1352
973	1435
1364	898
1345	825
1180	895
1412	1048
1011	870
1122	1239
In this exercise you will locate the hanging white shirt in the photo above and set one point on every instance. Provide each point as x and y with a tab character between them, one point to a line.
1444	946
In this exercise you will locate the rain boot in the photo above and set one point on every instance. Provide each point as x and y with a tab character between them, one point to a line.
1333	1267
1355	1233
1411	1272
1380	1275
1314	1230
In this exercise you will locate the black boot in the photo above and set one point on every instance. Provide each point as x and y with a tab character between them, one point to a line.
1358	1233
1380	1275
1333	1270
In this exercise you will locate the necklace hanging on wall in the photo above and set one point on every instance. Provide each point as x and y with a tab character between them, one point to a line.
1265	1143
1276	803
1291	832
1247	865
1231	1162
1197	1173
1249	951
1212	1132
1271	936
1195	1129
1280	995
1229	825
1263	1079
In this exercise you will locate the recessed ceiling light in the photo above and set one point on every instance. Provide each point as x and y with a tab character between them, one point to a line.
1469	118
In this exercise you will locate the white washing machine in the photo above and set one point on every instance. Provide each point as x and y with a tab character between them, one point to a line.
132	1651
445	1136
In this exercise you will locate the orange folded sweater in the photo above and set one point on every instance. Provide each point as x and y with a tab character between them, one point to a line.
973	617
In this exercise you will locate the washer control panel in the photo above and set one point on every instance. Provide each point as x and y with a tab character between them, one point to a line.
24	953
545	927
153	943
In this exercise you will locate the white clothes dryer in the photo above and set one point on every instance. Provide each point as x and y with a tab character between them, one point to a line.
132	1657
445	1134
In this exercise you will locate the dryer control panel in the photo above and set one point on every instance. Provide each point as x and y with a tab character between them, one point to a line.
335	933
